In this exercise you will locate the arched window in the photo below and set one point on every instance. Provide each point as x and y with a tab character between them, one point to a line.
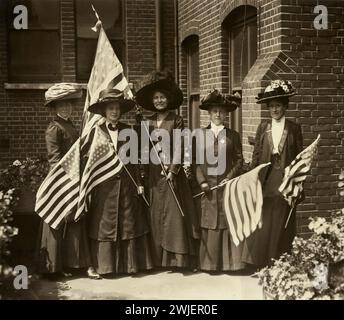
191	47
241	25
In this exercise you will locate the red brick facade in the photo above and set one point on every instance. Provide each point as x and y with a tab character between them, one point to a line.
289	47
23	119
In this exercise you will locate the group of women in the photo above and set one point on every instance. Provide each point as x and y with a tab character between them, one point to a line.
121	234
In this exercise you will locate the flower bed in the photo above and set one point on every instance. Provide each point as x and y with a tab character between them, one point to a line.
315	267
15	180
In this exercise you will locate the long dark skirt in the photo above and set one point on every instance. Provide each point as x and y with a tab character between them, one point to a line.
174	238
218	252
122	256
268	242
64	248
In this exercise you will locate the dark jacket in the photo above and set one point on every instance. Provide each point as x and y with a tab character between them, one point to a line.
290	146
116	210
176	230
59	136
212	215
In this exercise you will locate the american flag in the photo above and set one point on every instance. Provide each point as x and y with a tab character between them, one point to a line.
296	173
243	200
64	191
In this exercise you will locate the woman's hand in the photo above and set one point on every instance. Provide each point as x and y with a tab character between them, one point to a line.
140	190
171	176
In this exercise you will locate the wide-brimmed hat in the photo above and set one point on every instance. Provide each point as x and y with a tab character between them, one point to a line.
216	99
276	89
62	91
111	95
159	81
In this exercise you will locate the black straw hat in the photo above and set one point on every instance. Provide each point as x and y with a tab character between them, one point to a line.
216	99
111	95
159	81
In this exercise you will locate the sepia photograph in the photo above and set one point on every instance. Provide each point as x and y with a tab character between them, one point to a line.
171	150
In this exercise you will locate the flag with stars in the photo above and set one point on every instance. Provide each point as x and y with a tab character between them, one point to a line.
102	164
59	193
66	190
107	73
296	173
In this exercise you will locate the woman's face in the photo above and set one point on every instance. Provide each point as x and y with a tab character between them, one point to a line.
277	109
160	100
64	108
113	112
217	115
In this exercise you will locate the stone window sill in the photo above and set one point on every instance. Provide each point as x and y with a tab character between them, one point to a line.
33	86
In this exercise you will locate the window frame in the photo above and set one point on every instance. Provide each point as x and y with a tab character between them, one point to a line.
193	96
236	117
121	39
33	78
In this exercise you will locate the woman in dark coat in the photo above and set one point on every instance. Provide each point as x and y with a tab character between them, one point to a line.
117	225
67	248
217	250
278	141
173	235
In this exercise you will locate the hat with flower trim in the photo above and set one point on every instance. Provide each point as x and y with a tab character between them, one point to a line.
276	89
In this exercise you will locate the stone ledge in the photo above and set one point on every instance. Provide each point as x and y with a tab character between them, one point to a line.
33	86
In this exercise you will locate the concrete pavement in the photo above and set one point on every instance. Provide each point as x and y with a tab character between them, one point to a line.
158	285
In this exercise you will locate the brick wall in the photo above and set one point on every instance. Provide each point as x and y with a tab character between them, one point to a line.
23	119
289	47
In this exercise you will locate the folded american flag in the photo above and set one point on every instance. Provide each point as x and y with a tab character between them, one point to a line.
296	173
243	201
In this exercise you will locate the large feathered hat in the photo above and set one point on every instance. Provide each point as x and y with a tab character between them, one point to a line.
216	99
111	95
159	81
276	89
62	91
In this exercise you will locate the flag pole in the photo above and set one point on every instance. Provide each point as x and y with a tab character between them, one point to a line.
132	179
290	212
169	183
211	189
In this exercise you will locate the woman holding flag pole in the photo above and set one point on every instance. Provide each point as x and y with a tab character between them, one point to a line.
117	226
218	252
278	141
173	220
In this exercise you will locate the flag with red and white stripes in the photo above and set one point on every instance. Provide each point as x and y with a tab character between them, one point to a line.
64	191
296	173
243	201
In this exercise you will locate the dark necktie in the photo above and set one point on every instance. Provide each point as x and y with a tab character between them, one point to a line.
111	127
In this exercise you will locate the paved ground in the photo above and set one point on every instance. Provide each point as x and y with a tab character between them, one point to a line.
159	285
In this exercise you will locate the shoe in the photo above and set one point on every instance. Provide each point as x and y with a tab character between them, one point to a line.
92	274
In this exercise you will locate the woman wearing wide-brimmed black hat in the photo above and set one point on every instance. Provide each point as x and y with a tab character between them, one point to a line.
218	253
173	236
117	224
278	141
65	249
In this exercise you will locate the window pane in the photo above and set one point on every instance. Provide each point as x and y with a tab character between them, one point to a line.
110	12
244	51
195	111
194	68
42	15
240	56
34	55
86	53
